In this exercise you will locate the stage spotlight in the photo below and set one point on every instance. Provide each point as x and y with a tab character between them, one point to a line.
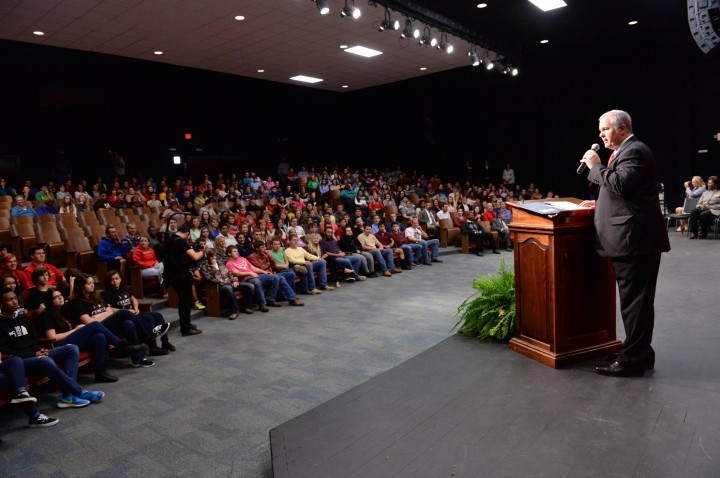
322	6
444	45
489	65
427	38
409	31
474	58
350	10
388	23
514	71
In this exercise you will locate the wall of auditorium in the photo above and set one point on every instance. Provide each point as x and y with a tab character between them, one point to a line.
540	122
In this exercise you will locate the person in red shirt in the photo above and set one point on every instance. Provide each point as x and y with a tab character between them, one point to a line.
144	256
37	256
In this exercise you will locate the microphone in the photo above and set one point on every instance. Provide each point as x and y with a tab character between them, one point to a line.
581	169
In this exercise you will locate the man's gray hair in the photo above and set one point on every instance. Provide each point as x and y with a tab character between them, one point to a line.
618	118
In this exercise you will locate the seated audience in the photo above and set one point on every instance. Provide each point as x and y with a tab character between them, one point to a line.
18	338
707	210
117	296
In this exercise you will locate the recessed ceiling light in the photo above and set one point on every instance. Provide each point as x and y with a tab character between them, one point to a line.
547	5
363	51
544	41
482	5
633	22
343	46
38	33
261	71
423	68
239	18
345	86
158	52
306	79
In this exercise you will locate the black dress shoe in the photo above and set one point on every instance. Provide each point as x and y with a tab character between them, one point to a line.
648	362
622	369
189	332
104	377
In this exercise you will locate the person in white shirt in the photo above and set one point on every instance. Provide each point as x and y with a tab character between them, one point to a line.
417	236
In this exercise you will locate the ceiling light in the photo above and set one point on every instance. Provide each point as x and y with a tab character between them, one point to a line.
547	5
363	51
158	52
350	10
239	18
514	71
633	22
427	38
542	42
388	23
38	33
489	65
306	79
474	58
444	45
322	7
482	5
409	31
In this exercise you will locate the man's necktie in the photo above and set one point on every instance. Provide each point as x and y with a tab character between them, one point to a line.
612	156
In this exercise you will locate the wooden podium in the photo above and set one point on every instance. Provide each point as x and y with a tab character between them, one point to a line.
564	291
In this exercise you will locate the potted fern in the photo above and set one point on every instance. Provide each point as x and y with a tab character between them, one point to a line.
489	314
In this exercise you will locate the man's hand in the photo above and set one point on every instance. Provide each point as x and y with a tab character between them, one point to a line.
590	158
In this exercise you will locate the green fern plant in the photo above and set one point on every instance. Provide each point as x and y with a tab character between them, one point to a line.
489	314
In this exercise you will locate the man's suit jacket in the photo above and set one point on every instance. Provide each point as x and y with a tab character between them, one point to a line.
628	220
424	216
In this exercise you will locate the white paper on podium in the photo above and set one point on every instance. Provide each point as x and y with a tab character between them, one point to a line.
565	205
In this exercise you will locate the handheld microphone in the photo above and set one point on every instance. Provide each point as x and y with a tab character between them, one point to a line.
581	169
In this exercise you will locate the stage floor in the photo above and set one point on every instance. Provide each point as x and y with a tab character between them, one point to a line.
468	409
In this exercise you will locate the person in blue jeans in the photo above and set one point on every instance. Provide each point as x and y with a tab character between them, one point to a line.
55	325
298	256
12	380
18	338
430	247
87	306
246	272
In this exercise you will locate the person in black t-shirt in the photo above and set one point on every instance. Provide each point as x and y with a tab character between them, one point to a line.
118	296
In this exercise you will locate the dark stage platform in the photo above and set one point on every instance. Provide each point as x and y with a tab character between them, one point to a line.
468	409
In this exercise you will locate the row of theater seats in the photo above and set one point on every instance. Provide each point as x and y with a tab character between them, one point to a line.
72	241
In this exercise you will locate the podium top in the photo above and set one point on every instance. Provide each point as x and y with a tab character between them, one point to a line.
557	209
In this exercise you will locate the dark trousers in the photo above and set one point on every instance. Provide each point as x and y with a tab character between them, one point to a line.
93	337
12	380
705	218
183	289
637	279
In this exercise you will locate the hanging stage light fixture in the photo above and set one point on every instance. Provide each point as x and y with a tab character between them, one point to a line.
427	38
409	31
388	23
350	10
322	6
474	58
444	45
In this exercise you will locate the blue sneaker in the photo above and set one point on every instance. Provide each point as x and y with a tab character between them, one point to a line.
71	401
92	397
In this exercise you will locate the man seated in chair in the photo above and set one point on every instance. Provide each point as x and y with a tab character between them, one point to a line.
429	220
37	259
112	251
477	235
416	235
216	272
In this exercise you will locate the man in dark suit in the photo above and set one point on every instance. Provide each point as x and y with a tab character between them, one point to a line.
631	231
